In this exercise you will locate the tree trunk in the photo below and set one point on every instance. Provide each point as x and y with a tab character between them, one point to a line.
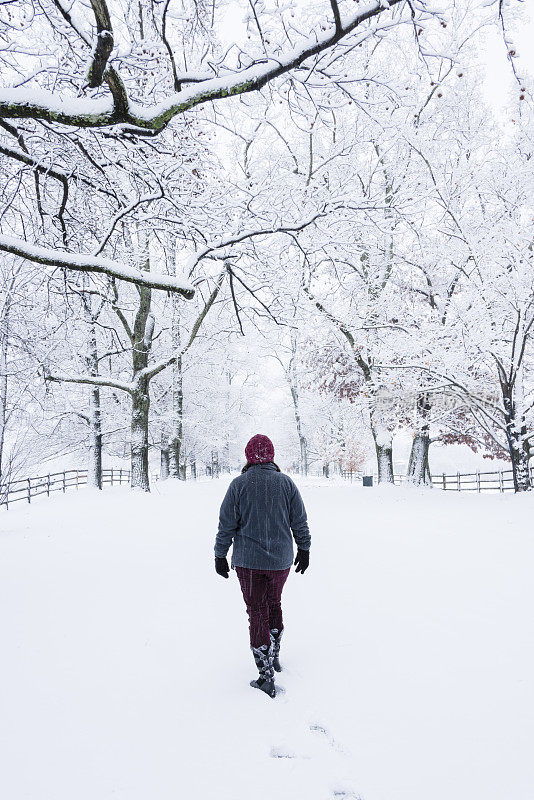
177	425
293	383
3	386
516	433
520	457
418	466
418	471
384	452
94	466
384	458
177	408
139	440
428	476
226	456
141	343
94	471
214	464
521	469
164	457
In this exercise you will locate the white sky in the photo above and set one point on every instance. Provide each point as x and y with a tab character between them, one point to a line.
500	83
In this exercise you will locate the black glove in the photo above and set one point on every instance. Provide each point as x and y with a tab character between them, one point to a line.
302	561
221	567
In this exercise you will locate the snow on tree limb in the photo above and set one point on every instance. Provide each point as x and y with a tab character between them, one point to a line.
91	380
214	249
24	103
88	263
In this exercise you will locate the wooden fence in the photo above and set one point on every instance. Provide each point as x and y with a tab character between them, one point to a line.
28	488
497	481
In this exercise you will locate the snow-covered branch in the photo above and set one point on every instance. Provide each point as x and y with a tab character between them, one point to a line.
104	43
25	103
91	380
214	249
81	262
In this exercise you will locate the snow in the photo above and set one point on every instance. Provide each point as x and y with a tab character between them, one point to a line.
37	97
408	651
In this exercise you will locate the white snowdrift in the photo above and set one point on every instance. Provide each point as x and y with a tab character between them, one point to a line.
409	651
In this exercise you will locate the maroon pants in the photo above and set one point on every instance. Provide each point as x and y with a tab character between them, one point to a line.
262	592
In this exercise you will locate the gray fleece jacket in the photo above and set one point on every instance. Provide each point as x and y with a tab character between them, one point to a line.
261	509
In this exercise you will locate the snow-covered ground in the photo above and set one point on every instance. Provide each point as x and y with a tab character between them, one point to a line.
408	653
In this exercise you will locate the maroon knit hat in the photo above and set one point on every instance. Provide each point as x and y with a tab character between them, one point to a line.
260	450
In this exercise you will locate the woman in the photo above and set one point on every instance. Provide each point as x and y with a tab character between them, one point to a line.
261	509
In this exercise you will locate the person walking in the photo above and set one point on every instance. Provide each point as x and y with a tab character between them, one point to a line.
261	513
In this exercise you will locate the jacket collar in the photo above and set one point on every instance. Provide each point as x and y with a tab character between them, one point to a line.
268	465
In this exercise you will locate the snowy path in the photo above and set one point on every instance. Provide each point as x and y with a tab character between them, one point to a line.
409	650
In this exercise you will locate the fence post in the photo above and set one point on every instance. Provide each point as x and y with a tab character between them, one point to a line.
48	485
77	479
120	475
478	481
29	490
112	476
444	480
64	481
458	481
501	482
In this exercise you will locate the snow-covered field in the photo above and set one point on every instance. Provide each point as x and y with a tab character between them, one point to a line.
409	651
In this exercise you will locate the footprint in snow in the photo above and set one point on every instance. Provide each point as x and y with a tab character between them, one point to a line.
324	733
284	752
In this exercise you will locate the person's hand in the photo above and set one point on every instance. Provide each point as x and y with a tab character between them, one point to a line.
221	567
302	561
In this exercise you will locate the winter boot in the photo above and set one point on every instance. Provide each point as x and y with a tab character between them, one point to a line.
264	662
276	635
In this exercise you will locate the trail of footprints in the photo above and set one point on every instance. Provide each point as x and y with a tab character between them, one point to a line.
318	730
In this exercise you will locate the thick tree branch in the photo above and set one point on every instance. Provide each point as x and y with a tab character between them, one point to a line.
176	81
97	113
30	162
212	250
81	262
91	381
337	15
104	43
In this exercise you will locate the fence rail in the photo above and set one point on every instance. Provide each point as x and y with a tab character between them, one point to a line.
497	481
28	488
